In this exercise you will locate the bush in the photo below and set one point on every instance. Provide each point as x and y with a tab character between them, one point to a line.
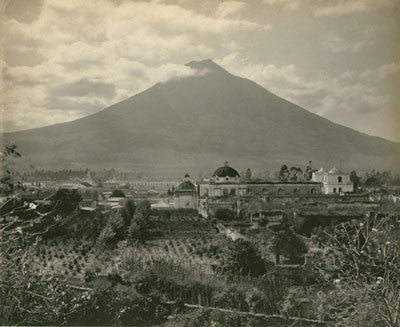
225	214
290	245
243	258
117	194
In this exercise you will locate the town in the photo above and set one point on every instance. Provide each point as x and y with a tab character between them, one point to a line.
94	231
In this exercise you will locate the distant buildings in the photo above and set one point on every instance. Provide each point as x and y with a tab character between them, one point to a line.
334	181
186	195
225	189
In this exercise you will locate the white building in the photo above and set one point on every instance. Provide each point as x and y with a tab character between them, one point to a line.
334	181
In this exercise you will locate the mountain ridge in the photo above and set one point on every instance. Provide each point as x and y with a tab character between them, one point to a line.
198	122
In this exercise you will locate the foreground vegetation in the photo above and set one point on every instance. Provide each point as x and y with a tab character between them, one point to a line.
60	266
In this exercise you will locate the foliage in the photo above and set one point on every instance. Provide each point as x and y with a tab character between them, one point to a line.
128	212
355	179
139	222
243	258
113	231
365	255
308	172
248	174
372	182
225	214
290	175
66	200
117	194
290	245
340	305
296	174
206	318
284	173
8	179
378	178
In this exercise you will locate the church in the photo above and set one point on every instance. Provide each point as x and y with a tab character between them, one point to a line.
225	189
333	181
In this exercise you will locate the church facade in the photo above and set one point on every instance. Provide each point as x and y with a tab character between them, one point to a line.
225	189
333	181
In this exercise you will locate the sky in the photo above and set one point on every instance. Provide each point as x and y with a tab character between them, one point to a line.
64	59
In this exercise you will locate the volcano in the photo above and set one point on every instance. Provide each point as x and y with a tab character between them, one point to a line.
196	123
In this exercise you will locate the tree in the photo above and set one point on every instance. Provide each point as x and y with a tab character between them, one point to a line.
66	200
248	174
117	194
128	211
284	173
113	231
242	257
224	214
139	222
308	172
372	182
290	245
295	174
8	178
355	179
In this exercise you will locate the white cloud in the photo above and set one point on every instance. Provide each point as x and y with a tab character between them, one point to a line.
382	71
286	4
229	8
344	7
125	47
323	95
336	44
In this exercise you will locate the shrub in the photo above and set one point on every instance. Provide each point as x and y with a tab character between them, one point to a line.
243	258
225	214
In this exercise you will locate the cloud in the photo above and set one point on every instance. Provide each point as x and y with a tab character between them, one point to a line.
229	8
382	71
345	7
94	54
285	4
324	95
336	44
85	87
75	104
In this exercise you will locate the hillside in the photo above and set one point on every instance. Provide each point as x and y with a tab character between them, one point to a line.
196	123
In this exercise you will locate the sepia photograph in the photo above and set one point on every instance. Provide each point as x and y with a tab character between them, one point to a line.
200	163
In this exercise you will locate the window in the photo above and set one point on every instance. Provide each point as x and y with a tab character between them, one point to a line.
227	178
340	189
334	190
339	179
226	191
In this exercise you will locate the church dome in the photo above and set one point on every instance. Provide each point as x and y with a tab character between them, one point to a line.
186	185
226	171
